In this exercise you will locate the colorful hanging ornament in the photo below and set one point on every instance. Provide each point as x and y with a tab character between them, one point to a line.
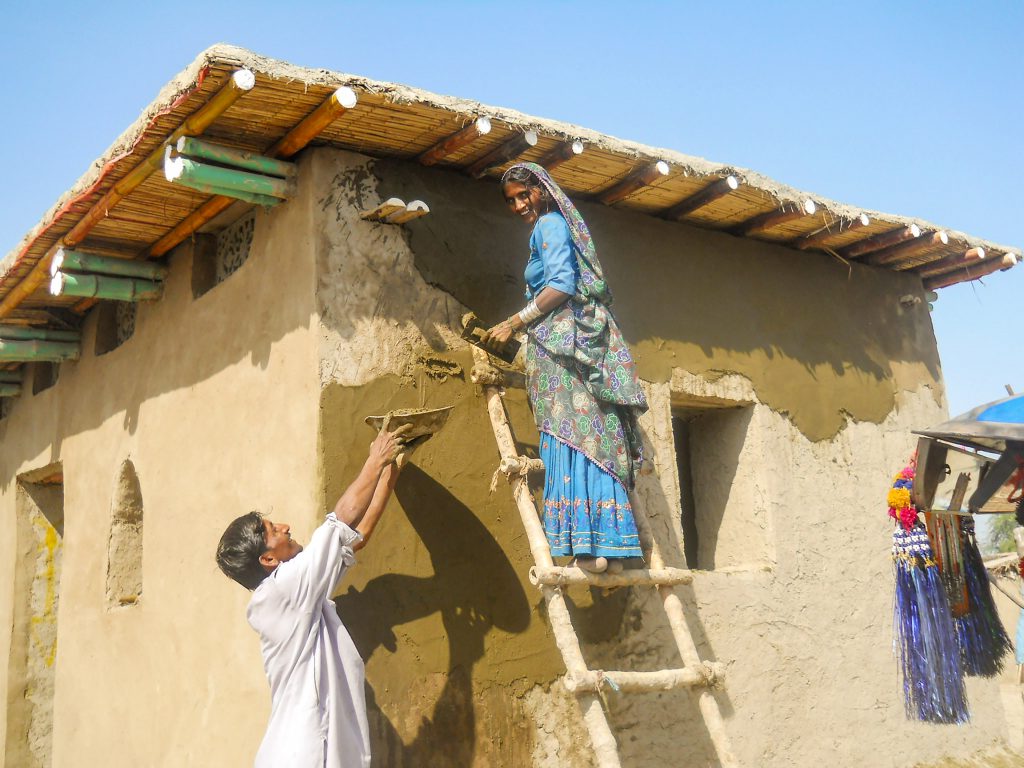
924	637
982	638
901	509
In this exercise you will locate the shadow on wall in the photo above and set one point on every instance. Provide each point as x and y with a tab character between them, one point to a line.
462	553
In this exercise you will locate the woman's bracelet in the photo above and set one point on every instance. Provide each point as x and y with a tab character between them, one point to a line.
529	313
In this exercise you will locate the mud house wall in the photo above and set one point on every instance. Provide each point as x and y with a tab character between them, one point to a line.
213	400
818	373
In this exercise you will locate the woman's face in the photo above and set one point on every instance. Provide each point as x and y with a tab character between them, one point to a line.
523	201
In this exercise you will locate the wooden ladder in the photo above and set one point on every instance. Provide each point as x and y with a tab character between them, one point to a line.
697	676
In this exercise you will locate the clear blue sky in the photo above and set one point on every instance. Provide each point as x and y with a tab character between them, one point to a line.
908	108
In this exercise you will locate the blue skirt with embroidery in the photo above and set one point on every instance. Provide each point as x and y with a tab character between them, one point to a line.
586	510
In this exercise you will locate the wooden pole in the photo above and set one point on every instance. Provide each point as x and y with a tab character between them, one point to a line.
900	251
563	153
78	261
627	578
385	209
507	450
972	272
713	191
834	229
236	158
241	82
9	390
413	210
676	616
765	221
879	241
658	680
298	137
951	263
508	150
103	287
311	126
636	180
29	333
995	583
204	177
479	127
23	351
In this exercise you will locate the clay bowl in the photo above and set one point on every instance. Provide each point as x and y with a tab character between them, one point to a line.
424	421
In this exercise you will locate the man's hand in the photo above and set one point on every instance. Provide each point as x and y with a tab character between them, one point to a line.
408	448
387	445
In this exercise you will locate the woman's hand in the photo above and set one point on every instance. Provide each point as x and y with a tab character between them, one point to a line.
500	333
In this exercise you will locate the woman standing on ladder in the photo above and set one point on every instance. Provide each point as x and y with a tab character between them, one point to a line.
581	379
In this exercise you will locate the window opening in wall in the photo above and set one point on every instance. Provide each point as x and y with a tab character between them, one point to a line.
39	536
233	244
44	376
124	549
215	257
715	491
115	325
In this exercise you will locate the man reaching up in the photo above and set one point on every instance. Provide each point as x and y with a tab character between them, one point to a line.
318	705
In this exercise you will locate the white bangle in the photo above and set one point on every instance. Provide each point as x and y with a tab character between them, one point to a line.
530	312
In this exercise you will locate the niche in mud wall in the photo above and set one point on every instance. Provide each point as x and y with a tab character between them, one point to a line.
723	524
115	325
39	536
124	548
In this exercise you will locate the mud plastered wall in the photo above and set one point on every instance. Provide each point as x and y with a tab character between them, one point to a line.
214	401
831	373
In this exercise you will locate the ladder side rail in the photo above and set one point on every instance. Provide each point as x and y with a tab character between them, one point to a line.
676	615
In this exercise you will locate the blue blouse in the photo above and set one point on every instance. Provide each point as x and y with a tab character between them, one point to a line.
552	261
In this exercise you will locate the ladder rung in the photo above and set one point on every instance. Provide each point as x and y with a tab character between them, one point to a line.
556	576
709	673
519	465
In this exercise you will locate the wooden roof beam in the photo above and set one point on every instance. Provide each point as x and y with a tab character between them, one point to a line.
638	179
973	272
836	228
900	251
507	150
447	146
713	191
311	126
241	81
561	154
879	241
771	219
951	263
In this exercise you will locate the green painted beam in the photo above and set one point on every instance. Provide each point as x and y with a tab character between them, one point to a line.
265	200
10	377
77	261
9	390
44	334
38	350
104	287
237	158
181	169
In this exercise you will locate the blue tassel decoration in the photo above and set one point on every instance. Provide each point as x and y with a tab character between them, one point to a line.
982	638
924	635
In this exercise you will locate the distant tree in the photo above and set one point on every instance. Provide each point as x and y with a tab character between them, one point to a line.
1000	538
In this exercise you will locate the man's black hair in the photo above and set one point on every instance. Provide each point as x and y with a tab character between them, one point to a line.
239	550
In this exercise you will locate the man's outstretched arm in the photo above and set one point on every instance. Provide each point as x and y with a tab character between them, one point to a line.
356	499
